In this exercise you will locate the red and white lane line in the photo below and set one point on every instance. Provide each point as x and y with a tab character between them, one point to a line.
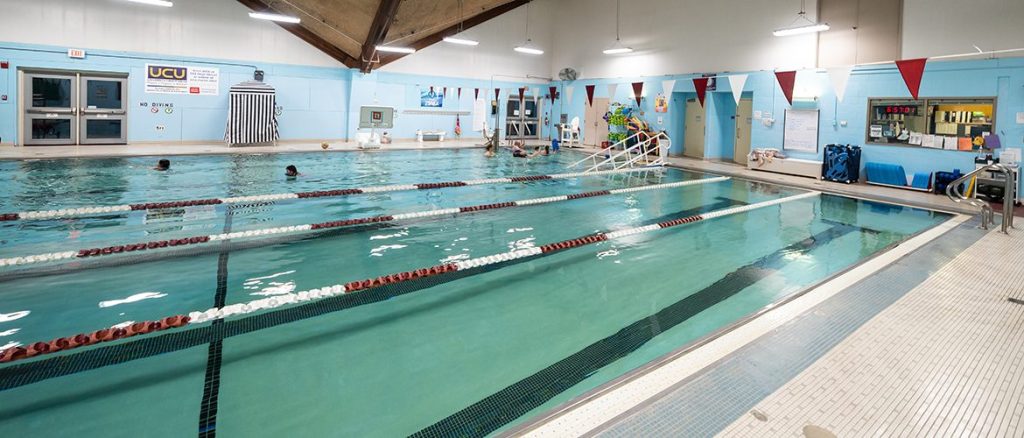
97	210
215	313
276	231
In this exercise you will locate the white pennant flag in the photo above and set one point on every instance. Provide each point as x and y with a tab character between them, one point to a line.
611	91
840	77
535	92
667	86
568	93
736	83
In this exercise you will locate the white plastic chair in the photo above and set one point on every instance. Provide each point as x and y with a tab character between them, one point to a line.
571	133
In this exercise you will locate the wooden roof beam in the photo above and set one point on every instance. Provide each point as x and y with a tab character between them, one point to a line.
386	12
470	22
305	35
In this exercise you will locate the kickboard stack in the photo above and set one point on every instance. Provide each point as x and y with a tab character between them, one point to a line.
841	164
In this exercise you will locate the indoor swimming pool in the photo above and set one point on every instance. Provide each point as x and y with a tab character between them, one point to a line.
471	352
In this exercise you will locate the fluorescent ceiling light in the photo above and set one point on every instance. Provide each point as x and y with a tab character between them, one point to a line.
274	17
163	3
460	41
529	50
395	49
810	28
618	50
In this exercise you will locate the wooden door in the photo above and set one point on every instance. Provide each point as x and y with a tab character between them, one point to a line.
589	127
693	141
595	129
744	122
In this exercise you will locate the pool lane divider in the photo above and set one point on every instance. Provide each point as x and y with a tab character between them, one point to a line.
264	232
124	208
220	313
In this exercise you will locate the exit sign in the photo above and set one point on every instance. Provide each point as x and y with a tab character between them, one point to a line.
76	53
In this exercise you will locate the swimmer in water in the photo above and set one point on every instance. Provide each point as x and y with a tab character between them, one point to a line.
291	171
163	165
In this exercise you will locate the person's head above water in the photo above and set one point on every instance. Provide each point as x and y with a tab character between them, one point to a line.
163	164
291	170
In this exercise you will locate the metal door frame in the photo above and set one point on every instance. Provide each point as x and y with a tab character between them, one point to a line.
77	113
87	114
30	113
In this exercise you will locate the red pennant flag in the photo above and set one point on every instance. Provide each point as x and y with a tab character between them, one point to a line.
701	85
458	92
476	93
552	92
590	94
497	93
787	79
638	89
444	91
912	71
431	88
522	93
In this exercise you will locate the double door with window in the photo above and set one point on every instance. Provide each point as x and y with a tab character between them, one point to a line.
74	108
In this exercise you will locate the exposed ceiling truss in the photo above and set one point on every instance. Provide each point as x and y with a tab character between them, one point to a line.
350	30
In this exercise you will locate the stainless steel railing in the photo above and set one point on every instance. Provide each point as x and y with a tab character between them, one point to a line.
987	213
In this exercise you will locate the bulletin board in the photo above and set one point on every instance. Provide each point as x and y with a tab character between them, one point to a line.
800	133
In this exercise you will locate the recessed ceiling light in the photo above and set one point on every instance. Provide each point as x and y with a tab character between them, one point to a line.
274	17
461	41
163	3
393	49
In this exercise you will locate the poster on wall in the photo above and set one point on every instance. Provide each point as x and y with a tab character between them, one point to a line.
431	99
178	79
661	104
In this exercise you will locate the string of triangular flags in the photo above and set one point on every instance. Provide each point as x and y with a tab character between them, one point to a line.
911	70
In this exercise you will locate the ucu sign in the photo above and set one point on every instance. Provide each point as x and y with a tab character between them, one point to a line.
161	72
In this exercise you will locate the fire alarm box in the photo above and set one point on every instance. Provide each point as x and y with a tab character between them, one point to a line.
5	64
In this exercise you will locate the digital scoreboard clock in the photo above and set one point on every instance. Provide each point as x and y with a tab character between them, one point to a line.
900	109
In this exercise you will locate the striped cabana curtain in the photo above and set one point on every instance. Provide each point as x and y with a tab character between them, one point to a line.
251	116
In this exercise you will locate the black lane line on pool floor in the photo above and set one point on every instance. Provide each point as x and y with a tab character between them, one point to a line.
22	374
498	409
215	352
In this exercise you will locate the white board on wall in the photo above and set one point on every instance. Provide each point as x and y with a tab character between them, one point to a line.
801	131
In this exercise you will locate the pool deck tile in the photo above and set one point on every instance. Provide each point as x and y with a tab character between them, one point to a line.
944	360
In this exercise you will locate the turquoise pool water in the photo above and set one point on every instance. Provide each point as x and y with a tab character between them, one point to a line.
467	355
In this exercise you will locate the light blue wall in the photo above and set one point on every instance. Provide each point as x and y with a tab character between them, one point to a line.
1002	78
314	99
318	103
401	91
720	132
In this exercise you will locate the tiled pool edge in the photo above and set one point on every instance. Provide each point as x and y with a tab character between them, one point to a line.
616	399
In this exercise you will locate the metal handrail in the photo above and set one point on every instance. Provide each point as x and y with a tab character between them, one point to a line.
596	154
628	152
987	213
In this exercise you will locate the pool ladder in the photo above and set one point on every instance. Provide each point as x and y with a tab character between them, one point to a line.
954	193
648	150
